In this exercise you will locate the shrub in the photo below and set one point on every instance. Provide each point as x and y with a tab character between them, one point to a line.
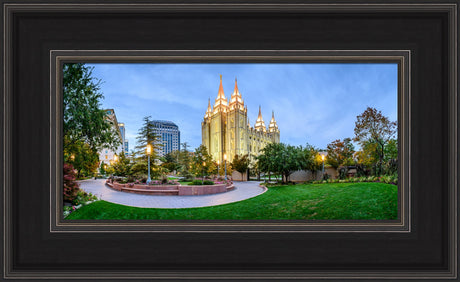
343	171
83	197
199	182
71	187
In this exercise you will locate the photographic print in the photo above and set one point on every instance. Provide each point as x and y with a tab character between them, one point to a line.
242	141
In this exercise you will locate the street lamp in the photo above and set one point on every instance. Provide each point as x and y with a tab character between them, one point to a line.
225	160
149	151
218	167
202	179
115	158
322	157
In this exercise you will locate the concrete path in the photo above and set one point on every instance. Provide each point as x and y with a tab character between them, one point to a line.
242	191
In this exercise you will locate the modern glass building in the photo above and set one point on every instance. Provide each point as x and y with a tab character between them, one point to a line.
169	136
126	147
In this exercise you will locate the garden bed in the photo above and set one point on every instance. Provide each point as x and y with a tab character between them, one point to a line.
177	190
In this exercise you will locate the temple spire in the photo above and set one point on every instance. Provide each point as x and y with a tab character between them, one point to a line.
260	124
236	100
273	127
221	101
209	110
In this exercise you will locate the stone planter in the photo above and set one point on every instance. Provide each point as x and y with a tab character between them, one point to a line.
186	190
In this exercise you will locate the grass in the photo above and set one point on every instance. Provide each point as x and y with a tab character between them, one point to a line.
344	201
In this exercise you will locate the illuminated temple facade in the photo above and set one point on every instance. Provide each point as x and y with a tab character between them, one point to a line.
225	128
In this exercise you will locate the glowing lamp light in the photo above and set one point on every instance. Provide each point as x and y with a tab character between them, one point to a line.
322	157
225	157
149	149
115	158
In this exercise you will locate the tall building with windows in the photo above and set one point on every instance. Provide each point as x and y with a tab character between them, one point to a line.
225	128
125	145
107	155
169	135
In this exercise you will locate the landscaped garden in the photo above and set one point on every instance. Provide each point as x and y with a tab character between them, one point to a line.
340	201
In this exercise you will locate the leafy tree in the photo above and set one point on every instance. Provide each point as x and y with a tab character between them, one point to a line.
281	159
367	158
309	158
241	164
140	169
84	120
102	168
391	150
391	157
202	156
221	168
290	158
122	167
340	153
83	158
372	126
266	161
171	161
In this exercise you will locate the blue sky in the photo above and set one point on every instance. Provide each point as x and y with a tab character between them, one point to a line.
313	103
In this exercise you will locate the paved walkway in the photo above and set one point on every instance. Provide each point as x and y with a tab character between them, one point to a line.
242	191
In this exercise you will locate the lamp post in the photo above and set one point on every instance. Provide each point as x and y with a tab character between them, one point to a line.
218	167
322	157
225	160
202	179
149	151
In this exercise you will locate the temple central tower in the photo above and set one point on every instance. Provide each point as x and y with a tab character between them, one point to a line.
225	128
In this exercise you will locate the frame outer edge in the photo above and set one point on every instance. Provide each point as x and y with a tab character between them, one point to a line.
6	130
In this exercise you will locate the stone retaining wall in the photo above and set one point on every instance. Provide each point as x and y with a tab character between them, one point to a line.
186	190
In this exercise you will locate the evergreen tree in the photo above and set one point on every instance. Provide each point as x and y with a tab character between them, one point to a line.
146	136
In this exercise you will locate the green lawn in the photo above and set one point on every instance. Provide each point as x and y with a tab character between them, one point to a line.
309	201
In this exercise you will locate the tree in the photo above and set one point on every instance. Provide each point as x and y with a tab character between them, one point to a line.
71	187
122	167
84	121
102	168
266	161
281	159
83	158
146	136
241	164
372	126
340	153
171	161
310	159
391	157
202	161
185	161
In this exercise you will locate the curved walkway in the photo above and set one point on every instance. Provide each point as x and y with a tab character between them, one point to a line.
242	191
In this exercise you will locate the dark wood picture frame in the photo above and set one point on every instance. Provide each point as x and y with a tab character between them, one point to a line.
40	35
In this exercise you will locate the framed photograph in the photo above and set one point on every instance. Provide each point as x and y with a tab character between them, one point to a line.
163	140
